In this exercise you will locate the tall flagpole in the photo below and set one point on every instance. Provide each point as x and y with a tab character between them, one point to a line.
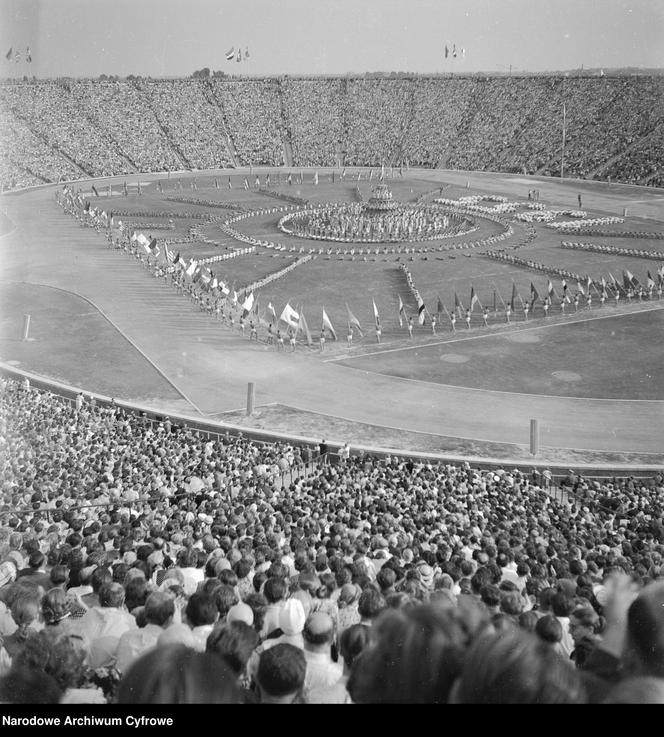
562	155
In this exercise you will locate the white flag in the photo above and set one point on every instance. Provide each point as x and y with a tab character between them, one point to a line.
290	316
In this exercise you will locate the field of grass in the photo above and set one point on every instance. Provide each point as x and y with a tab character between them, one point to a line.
613	358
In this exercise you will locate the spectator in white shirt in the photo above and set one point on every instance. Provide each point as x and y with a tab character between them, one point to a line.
158	612
322	671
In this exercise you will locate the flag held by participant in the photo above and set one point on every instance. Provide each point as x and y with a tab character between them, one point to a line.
353	322
515	294
247	305
290	316
327	325
402	312
375	311
303	328
421	310
474	299
457	305
534	295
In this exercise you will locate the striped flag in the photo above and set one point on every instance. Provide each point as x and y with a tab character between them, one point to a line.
375	310
28	55
629	280
353	322
474	299
421	309
327	325
230	54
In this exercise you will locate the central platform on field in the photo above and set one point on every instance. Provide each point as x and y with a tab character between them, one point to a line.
380	219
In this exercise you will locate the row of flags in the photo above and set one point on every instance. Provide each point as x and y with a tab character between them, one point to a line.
237	55
453	51
15	56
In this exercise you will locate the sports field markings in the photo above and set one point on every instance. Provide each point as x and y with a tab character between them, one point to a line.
503	331
495	391
119	330
553	397
12	230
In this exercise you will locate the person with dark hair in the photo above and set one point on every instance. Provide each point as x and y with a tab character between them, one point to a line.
585	627
353	641
515	667
56	613
258	604
371	603
201	613
36	571
235	643
23	685
158	612
280	675
549	630
415	657
176	674
561	606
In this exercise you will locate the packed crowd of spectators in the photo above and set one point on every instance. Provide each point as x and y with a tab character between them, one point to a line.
515	124
253	113
143	562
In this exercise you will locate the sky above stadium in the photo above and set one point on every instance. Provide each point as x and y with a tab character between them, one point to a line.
160	38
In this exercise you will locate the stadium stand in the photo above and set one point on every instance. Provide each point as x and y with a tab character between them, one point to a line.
128	547
72	129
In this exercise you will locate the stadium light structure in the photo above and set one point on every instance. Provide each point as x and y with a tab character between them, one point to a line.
562	153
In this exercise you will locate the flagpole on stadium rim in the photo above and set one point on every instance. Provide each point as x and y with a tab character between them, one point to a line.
562	155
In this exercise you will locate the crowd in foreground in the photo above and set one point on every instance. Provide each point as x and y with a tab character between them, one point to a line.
91	128
143	562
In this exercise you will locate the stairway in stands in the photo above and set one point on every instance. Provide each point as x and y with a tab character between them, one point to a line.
183	160
657	131
211	97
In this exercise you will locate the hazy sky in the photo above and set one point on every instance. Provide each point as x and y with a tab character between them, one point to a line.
174	37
